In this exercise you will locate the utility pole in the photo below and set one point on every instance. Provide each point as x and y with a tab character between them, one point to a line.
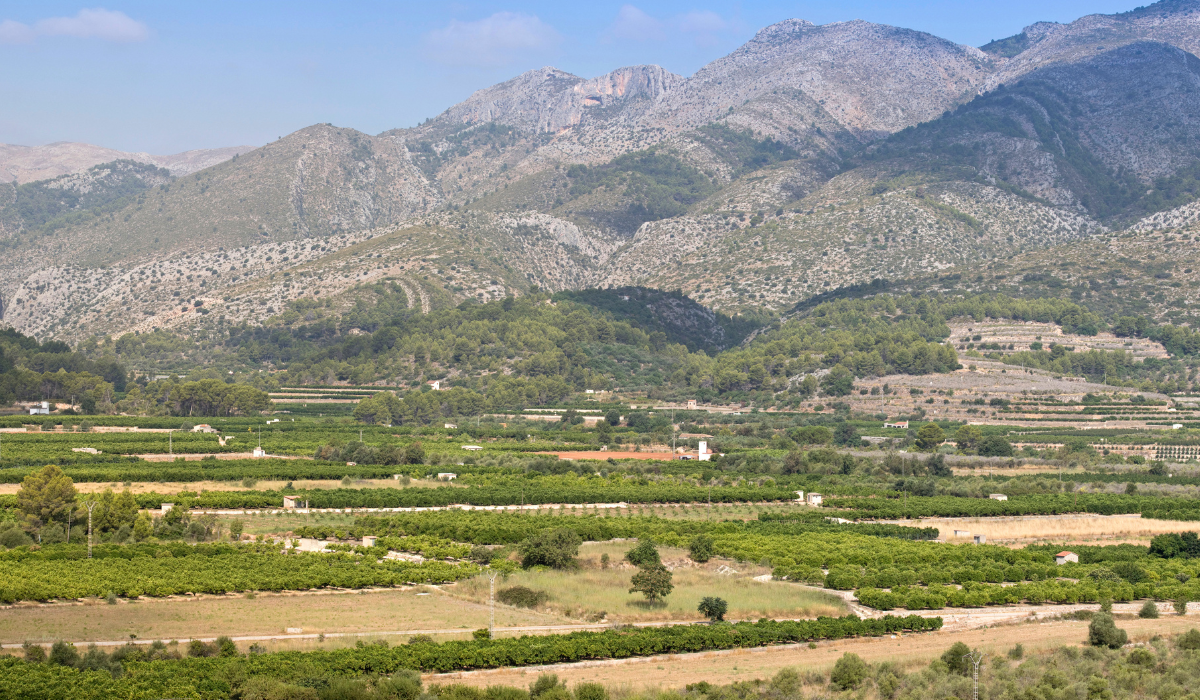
90	505
492	622
170	442
976	658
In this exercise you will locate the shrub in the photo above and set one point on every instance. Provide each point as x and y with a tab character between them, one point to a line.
849	672
590	691
1149	611
956	660
554	548
1180	605
522	597
701	548
644	555
481	554
545	683
14	537
64	654
420	639
1017	652
482	633
1103	632
713	608
1189	640
36	653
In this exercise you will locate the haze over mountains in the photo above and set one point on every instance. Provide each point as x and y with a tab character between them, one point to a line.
21	164
811	158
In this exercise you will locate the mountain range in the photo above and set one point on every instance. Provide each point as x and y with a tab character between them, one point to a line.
811	159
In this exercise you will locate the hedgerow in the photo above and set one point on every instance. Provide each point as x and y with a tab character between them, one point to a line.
213	678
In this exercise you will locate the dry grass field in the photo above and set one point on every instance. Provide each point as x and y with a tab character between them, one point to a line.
381	611
592	593
671	672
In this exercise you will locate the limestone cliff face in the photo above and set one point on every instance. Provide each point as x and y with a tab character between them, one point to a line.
550	100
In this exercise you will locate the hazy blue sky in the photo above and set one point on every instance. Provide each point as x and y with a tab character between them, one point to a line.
164	77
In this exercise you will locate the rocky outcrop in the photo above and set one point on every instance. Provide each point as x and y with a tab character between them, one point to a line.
550	100
872	78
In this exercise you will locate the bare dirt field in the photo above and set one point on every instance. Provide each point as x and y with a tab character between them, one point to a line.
420	608
1065	529
911	651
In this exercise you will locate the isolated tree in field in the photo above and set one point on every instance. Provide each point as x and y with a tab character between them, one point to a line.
1181	605
1103	632
701	548
930	436
654	583
1149	611
644	555
713	608
46	496
554	548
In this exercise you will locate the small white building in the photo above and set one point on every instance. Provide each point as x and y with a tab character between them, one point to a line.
451	426
436	384
704	454
204	428
997	497
691	404
900	424
962	533
164	507
42	409
813	499
800	496
472	448
980	539
447	476
369	540
259	453
1064	557
289	502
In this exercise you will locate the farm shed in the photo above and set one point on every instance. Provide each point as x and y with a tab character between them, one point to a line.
997	497
899	424
1064	557
447	476
814	499
289	502
204	428
980	539
962	533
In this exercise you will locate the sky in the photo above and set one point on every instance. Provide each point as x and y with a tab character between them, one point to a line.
164	77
